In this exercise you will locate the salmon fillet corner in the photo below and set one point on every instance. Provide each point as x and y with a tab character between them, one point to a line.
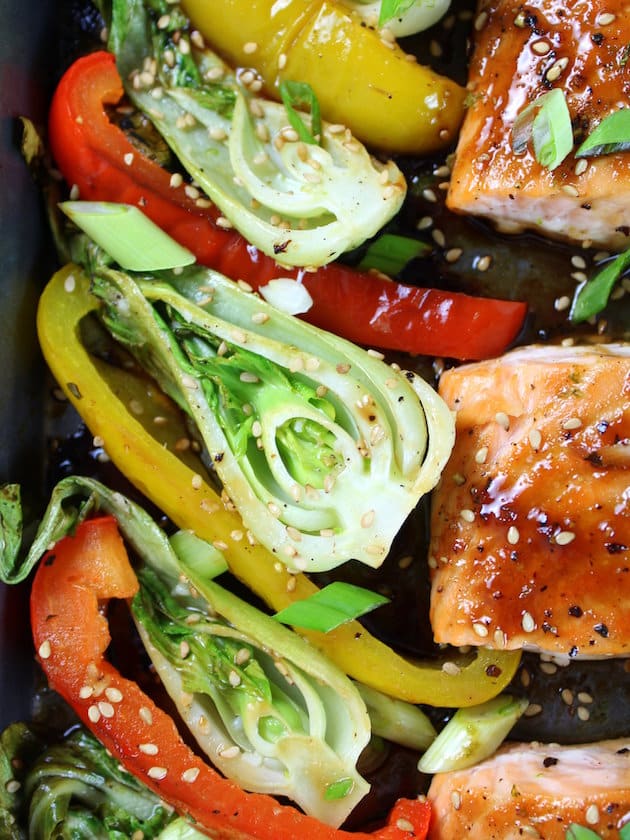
521	51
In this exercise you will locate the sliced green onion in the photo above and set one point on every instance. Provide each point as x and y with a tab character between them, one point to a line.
338	790
127	235
396	720
624	832
548	122
330	607
300	95
390	253
472	734
591	297
391	9
611	135
580	832
198	554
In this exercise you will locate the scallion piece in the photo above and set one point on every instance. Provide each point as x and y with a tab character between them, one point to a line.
611	135
472	734
624	832
330	607
580	832
300	95
198	554
390	253
591	297
548	123
391	9
127	235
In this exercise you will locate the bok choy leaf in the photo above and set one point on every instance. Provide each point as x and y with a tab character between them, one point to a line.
323	448
302	203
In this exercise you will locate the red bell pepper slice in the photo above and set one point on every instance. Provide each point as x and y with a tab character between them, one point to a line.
95	155
72	586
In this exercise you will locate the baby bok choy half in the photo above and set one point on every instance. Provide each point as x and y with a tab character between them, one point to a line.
298	189
269	710
322	447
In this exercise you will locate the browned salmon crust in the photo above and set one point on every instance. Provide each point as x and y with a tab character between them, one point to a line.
523	50
535	791
530	530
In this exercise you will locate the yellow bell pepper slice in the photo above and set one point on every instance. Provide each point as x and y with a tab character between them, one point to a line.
144	435
363	82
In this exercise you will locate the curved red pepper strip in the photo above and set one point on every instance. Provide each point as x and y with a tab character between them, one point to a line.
95	155
73	583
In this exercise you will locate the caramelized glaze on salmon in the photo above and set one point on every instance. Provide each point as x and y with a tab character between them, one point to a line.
535	791
523	50
530	531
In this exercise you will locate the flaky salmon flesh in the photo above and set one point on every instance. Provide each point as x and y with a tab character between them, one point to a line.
522	51
530	524
529	791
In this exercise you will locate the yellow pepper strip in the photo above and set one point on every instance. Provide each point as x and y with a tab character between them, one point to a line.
370	85
121	409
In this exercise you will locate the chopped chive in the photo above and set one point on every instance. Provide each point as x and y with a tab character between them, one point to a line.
591	297
330	607
580	832
611	135
391	252
300	95
127	235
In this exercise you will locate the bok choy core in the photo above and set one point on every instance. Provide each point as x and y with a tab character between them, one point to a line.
323	448
302	203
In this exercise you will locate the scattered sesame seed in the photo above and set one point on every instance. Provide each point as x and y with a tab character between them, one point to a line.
196	481
146	715
367	520
176	180
424	223
234	678
584	697
148	749
502	419
93	714
451	668
578	261
483	263
567	696
605	18
480	629
184	649
481	455
456	800
467	515
556	69
230	752
513	535
571	189
564	537
250	47
157	773
438	237
541	47
548	668
453	254
128	158
12	786
85	692
106	709
533	709
579	276
114	694
527	622
581	166
190	775
500	638
404	825
45	650
69	284
429	195
572	423
535	439
480	21
592	812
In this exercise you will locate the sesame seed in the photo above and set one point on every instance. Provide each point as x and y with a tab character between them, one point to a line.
584	697
459	479
114	694
69	284
467	515
451	668
190	775
480	629
12	786
484	263
429	195
404	825
579	276
456	800
425	223
604	18
592	812
250	47
556	69
502	419
541	47
367	520
148	749
247	376
128	158
184	649
191	192
157	773
224	223
480	21
230	752
500	638
85	692
527	622
519	20
567	696
535	439
93	714
453	254
196	481
533	709
234	678
106	709
343	367
481	455
548	668
45	650
146	715
571	189
561	303
581	166
513	535
572	423
438	238
564	537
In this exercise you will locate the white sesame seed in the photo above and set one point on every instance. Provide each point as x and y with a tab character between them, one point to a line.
93	714
250	47
541	47
451	668
146	715
230	752
592	812
157	773
128	158
282	61
176	180
106	709
481	455
69	284
367	520
513	535
480	21
480	629
583	713
438	238
114	694
535	438
467	515
45	650
548	668
234	678
456	800
429	195
404	825
484	263
191	192
502	419
148	749
572	423
424	223
500	638
12	786
557	68
581	166
533	709
453	254
604	18
527	622
571	189
196	481
567	696
564	537
85	692
584	697
190	775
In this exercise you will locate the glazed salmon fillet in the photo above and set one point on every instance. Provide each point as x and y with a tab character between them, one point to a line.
530	524
535	791
521	51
